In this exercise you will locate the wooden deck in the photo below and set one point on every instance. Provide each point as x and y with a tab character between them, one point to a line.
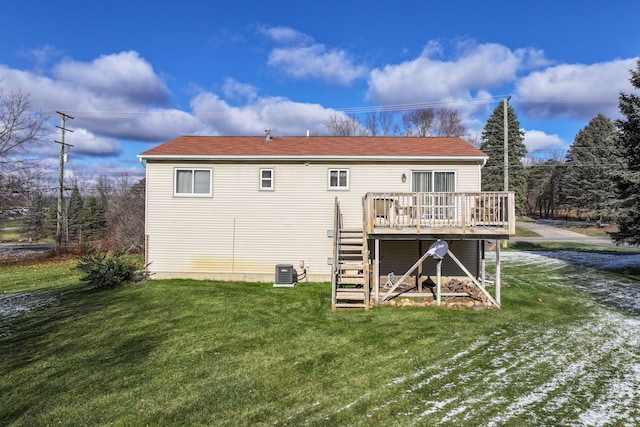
483	215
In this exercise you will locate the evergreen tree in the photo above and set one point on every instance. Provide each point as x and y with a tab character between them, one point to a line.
74	207
93	220
594	157
33	224
493	145
628	180
51	220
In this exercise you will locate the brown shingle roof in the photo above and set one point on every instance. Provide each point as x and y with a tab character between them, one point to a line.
313	146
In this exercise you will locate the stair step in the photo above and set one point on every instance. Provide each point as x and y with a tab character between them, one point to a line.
351	281
353	296
351	266
350	257
351	240
352	273
347	305
350	291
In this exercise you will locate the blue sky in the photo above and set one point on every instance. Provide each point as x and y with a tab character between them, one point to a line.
135	74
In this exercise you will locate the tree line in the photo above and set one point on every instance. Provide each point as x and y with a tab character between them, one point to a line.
111	213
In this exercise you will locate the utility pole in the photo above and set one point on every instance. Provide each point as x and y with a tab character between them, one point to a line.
506	174
63	129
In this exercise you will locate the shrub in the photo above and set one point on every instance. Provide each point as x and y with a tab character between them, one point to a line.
104	269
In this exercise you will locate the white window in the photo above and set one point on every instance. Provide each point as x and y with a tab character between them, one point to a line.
266	179
338	179
193	182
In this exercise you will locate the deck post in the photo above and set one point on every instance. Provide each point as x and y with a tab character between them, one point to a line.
419	272
376	270
438	281
498	273
482	264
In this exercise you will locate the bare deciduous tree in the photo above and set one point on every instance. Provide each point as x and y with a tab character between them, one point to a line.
371	123
344	125
19	127
126	225
385	119
418	122
449	123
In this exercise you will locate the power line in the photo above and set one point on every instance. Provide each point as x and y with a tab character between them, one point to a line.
279	111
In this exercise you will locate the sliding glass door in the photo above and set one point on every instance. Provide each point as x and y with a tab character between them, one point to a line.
436	200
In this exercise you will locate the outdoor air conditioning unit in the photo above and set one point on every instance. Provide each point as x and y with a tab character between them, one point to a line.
286	275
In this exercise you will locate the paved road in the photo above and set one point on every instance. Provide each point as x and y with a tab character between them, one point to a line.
551	233
9	248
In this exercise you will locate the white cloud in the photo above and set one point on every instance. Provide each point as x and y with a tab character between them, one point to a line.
123	75
536	141
113	96
575	90
317	62
302	58
120	82
235	90
84	143
285	35
428	79
281	115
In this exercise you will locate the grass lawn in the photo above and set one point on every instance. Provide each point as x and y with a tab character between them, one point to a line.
10	230
523	232
184	352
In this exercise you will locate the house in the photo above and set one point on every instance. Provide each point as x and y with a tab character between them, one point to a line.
234	208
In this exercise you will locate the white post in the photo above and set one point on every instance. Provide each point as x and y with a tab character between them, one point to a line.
438	281
498	275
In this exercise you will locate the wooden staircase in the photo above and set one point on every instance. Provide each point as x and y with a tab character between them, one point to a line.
351	289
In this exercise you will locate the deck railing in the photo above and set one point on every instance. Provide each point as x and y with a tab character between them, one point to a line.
455	213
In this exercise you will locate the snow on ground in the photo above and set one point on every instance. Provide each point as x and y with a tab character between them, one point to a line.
14	304
584	375
579	266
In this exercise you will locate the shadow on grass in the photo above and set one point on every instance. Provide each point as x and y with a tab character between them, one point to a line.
45	353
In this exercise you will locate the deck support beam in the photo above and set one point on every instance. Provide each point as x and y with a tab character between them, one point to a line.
473	279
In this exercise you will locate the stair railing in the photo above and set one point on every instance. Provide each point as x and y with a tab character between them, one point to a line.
337	226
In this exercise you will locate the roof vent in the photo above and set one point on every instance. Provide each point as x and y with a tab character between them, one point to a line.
267	136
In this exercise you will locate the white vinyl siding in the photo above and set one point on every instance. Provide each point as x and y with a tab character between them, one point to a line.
192	182
242	232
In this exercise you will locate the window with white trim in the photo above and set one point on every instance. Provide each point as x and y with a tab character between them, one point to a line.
338	179
267	179
192	182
